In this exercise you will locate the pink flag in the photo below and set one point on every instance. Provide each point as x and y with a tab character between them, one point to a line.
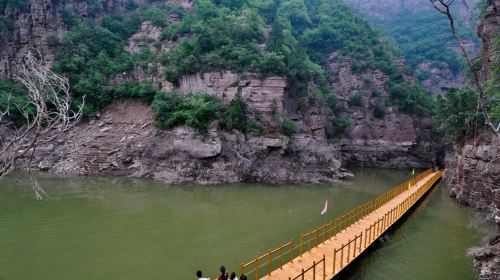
325	209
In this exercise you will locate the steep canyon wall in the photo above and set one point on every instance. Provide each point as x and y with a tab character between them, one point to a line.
474	164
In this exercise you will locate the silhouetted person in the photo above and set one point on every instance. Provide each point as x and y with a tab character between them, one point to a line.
243	277
223	274
199	274
233	276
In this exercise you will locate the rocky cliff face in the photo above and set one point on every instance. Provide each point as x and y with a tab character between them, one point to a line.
397	140
488	30
38	23
473	176
474	173
474	164
440	79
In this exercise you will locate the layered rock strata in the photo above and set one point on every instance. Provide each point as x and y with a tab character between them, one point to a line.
397	140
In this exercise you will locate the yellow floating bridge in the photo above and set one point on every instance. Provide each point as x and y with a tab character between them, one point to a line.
325	251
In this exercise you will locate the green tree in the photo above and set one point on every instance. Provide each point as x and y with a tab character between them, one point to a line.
144	92
458	114
288	126
276	40
194	110
69	18
12	93
337	126
355	100
235	115
233	4
296	12
379	111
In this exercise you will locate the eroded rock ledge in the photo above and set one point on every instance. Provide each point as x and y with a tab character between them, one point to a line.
124	141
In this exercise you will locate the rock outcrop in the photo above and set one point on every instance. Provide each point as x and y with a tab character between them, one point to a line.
488	30
439	79
264	96
487	259
473	175
397	140
145	38
123	141
149	38
39	23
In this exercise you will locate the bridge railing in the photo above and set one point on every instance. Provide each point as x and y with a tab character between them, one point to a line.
347	252
312	269
313	238
281	255
264	264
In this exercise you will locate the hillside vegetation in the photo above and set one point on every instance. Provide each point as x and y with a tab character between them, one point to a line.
425	36
292	38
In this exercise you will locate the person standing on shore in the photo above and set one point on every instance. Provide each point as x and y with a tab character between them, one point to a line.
199	275
223	275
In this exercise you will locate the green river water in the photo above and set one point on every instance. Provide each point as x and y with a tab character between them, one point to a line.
119	228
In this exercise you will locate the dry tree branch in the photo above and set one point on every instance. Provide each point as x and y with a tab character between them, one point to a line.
3	114
240	156
487	169
49	95
443	6
37	189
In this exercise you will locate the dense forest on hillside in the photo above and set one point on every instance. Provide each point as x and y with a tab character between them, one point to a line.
425	37
292	38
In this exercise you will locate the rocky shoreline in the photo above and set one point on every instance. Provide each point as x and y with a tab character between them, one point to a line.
124	141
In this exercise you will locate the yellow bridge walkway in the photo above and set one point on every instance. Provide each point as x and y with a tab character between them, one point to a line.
325	251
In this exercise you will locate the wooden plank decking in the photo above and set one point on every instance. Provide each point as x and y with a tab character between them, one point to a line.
330	256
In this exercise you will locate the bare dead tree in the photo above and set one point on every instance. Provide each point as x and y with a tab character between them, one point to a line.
443	6
47	115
